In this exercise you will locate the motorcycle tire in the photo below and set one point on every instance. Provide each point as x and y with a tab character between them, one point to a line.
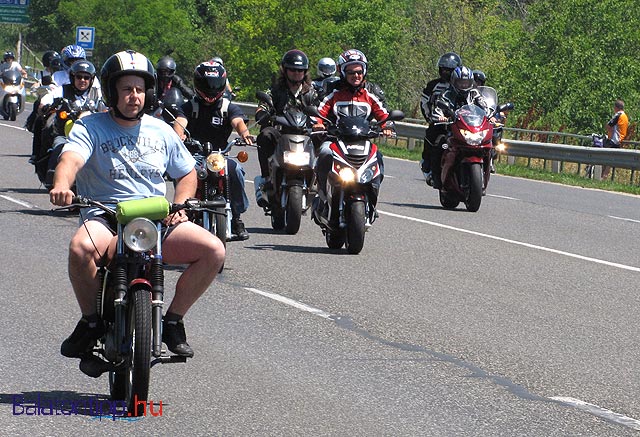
13	111
132	385
448	201
355	227
293	212
476	182
277	219
335	240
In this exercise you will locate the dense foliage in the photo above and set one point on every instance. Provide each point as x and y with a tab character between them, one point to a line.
562	62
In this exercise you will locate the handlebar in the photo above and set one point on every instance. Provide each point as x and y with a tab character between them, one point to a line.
238	141
189	205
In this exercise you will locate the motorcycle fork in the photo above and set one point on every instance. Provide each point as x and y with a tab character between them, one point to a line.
157	296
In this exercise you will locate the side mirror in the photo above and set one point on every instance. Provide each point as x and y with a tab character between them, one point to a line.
264	97
395	115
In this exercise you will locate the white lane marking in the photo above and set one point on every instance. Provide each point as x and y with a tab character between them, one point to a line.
623	218
599	411
19	202
291	302
14	127
502	197
519	243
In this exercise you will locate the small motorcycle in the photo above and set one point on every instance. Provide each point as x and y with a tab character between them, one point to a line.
57	125
291	190
130	299
352	183
12	94
214	185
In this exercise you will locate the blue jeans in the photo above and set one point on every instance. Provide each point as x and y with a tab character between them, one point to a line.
239	200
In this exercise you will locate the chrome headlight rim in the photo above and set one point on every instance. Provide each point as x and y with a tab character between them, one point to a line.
140	234
215	162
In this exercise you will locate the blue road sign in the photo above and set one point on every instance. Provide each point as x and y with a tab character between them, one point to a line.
85	37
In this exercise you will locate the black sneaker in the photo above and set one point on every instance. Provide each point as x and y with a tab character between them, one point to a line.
175	338
238	230
82	339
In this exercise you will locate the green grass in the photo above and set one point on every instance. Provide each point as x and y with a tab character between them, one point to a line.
531	170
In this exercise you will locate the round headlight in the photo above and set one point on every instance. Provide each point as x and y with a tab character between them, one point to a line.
215	162
140	234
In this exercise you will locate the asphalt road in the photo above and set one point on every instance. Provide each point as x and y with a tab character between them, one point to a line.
520	319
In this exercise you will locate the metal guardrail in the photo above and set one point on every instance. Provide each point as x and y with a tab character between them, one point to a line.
622	158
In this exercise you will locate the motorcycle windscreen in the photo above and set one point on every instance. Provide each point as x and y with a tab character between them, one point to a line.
352	109
472	115
490	97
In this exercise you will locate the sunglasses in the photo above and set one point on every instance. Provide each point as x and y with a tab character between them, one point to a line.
82	77
354	72
297	70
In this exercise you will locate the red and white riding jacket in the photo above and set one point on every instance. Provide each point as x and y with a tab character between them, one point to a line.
345	102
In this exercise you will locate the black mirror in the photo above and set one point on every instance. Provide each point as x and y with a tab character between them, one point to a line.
395	115
264	97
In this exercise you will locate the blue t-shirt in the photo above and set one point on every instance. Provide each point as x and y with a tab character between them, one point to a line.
124	163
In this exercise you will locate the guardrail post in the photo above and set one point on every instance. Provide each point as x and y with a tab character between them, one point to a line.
556	166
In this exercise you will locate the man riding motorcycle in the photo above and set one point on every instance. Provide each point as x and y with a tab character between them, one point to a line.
167	79
432	151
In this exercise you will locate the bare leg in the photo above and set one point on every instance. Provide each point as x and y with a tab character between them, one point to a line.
85	251
191	244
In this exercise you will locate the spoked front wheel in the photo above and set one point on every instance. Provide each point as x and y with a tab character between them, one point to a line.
132	383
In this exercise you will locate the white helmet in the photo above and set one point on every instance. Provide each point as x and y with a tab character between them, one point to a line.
326	67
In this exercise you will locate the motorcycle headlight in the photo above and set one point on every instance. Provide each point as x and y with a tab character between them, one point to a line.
215	162
474	138
296	158
140	234
347	174
501	147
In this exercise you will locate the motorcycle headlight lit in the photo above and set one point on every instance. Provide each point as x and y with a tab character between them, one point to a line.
347	174
140	234
215	162
296	158
474	138
501	147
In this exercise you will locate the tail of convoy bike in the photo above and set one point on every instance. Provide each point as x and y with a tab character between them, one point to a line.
130	299
353	181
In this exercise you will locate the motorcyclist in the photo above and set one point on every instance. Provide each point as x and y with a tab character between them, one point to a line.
462	92
79	91
9	63
435	134
69	54
326	73
292	88
210	117
52	62
351	90
479	77
167	78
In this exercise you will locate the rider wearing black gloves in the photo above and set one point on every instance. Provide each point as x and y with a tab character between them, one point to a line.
210	117
432	151
292	88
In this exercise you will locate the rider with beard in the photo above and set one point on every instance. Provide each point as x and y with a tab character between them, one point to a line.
292	88
351	90
167	79
432	151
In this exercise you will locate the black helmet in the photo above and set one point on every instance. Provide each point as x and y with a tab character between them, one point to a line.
166	67
479	77
82	66
128	62
295	60
447	63
8	55
55	63
462	79
210	81
47	56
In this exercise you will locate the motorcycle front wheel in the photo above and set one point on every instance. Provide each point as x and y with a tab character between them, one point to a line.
132	384
476	183
293	212
13	111
355	227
